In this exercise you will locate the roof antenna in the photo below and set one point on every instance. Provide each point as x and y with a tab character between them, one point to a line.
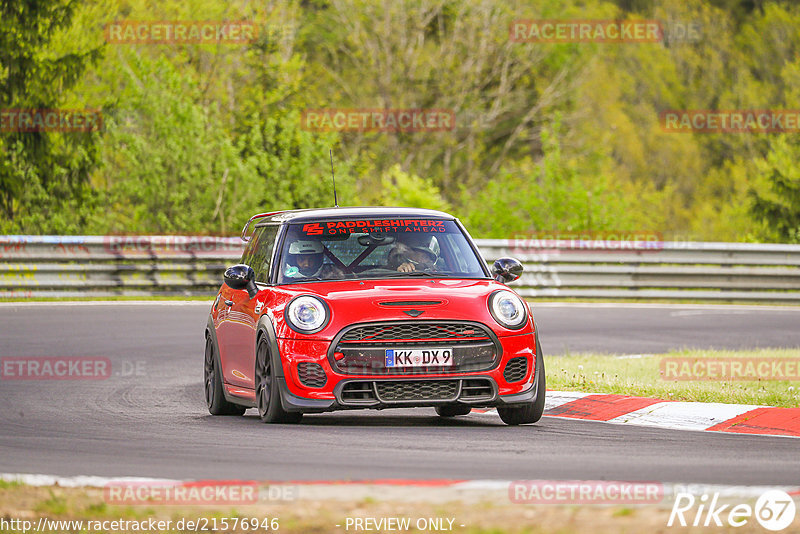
335	201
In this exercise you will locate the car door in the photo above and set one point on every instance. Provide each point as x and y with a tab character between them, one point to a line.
243	314
225	324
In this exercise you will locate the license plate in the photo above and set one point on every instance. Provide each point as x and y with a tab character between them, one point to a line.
419	357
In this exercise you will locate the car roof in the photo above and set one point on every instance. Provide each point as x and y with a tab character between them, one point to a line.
371	212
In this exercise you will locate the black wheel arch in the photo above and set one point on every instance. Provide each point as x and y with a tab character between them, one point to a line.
265	328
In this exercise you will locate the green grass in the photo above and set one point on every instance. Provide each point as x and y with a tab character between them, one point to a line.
98	509
56	505
623	512
493	514
641	377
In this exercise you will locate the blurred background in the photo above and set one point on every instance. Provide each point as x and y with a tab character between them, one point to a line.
559	136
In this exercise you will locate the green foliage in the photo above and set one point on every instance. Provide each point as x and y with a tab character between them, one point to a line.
550	195
290	167
164	153
171	166
547	136
404	189
776	197
43	175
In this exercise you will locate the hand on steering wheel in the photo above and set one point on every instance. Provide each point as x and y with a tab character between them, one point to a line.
406	267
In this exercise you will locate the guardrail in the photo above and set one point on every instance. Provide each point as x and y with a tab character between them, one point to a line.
86	266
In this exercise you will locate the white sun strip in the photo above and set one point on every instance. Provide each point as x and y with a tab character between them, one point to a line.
684	415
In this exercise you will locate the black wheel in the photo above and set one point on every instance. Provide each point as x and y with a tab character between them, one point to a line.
452	410
268	398
215	398
531	412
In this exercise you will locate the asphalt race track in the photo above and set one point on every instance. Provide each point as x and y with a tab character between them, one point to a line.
149	418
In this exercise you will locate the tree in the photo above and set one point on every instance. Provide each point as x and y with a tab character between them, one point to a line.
440	54
170	165
404	189
776	197
43	175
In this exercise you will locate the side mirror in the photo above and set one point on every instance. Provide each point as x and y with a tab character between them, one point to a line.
241	277
506	270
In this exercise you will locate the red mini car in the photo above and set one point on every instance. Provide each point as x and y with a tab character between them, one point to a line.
343	308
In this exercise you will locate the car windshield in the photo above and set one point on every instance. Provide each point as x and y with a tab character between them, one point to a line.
377	248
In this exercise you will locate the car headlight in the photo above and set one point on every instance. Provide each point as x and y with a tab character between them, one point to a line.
508	309
307	314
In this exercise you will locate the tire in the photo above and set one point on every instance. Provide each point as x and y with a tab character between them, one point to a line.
532	411
452	410
268	397
215	397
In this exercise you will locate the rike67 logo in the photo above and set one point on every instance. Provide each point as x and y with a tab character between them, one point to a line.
774	510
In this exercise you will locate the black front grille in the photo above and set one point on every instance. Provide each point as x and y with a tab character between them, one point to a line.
375	392
415	331
311	374
361	349
476	389
516	369
417	390
358	393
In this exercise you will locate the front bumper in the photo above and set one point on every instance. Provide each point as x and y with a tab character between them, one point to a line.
347	391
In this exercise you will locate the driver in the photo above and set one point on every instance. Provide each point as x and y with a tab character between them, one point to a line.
305	260
412	252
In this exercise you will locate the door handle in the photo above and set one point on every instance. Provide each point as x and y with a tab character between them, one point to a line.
229	303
